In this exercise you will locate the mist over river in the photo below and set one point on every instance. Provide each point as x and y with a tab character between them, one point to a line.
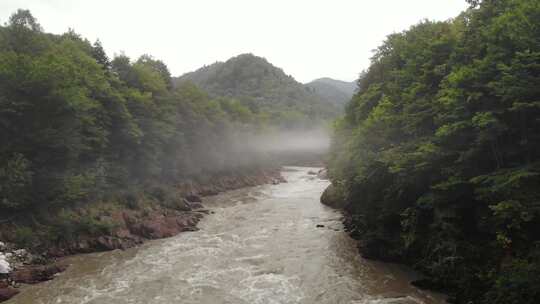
260	246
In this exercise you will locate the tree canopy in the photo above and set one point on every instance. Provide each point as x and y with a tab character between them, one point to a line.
76	126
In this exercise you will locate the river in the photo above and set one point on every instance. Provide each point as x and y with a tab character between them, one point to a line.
260	246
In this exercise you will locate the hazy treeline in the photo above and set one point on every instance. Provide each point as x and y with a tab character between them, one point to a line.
76	126
438	155
276	98
333	91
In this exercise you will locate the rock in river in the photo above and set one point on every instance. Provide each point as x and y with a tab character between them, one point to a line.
6	291
332	197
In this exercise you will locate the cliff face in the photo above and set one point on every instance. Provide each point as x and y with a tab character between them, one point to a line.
178	212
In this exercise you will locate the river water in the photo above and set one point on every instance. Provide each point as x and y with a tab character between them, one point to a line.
261	246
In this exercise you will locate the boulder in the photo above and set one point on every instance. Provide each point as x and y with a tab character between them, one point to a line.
36	274
107	243
323	174
158	226
154	229
7	293
332	197
194	198
178	203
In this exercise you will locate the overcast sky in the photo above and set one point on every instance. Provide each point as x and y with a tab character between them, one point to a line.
307	38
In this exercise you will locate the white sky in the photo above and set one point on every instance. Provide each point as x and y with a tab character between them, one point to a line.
307	38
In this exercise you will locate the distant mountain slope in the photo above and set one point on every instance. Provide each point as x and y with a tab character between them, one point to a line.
263	87
334	91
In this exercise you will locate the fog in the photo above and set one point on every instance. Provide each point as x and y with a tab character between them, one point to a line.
315	141
285	147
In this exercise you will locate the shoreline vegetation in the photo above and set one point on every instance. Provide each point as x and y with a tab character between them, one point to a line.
438	154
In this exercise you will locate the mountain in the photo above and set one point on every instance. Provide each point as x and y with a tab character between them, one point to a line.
261	86
334	91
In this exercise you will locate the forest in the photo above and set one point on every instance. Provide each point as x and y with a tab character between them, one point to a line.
438	154
265	90
77	127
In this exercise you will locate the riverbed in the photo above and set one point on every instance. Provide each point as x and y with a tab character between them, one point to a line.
262	245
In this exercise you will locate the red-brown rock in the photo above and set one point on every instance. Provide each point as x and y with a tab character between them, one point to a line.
36	274
7	293
193	198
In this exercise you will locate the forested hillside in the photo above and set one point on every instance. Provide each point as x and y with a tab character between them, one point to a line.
78	128
333	91
438	155
264	89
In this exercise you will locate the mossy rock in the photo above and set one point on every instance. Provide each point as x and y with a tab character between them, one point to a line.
332	197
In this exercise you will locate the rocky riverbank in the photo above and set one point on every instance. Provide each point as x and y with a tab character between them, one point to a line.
130	227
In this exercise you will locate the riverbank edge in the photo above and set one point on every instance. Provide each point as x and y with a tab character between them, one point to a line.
332	197
132	228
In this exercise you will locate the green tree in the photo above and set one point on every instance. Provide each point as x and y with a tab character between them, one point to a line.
438	157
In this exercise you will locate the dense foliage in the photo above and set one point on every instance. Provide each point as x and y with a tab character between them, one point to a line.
438	154
76	127
266	90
